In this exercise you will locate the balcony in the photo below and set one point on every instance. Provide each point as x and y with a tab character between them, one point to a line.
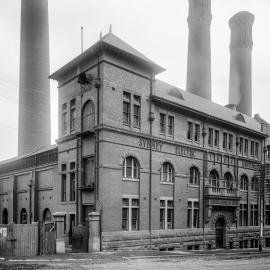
221	191
222	196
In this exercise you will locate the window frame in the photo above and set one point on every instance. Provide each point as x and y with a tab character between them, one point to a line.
169	173
130	207
135	165
167	210
193	213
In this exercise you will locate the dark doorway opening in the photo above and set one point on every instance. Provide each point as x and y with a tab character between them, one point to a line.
220	233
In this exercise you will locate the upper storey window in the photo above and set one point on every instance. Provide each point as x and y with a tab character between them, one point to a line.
88	115
214	178
64	117
197	133
162	123
216	139
167	173
244	183
230	144
193	131
194	177
137	111
72	114
126	108
131	168
170	125
225	140
190	131
210	137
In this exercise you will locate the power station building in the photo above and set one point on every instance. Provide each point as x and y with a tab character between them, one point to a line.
164	167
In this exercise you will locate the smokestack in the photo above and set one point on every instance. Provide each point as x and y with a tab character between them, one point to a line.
240	91
199	48
34	89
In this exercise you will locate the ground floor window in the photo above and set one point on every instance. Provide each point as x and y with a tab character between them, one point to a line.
243	217
267	215
254	215
166	213
193	213
130	213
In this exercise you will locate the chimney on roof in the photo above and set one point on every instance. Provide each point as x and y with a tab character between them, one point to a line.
199	48
240	91
34	86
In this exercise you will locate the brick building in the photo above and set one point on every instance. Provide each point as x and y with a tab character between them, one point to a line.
164	167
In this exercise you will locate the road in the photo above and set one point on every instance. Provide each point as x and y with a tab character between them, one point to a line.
168	262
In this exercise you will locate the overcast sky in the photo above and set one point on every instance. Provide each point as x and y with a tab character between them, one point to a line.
157	28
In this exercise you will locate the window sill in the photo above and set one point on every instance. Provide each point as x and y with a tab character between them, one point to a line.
131	179
166	183
193	185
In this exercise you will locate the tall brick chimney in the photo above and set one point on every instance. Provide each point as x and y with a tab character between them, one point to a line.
199	49
240	91
34	88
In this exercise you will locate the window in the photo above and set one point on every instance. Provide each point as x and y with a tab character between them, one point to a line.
197	133
230	146
214	178
253	184
216	140
47	216
228	180
126	108
246	147
243	215
194	178
171	125
63	187
72	186
89	171
166	213
130	214
193	214
137	111
63	182
23	216
267	214
64	117
88	115
252	150
256	150
210	137
131	168
5	216
190	131
167	173
72	114
72	165
225	139
241	145
254	215
244	183
162	123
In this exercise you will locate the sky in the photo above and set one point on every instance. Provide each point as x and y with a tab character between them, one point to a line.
156	28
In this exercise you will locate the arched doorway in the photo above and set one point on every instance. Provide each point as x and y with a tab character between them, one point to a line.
220	227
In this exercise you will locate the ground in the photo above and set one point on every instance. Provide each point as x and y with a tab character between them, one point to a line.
218	260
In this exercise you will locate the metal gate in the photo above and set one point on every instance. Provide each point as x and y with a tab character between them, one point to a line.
80	236
220	233
19	240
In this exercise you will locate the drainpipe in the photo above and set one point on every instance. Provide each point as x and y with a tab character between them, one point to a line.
151	119
203	191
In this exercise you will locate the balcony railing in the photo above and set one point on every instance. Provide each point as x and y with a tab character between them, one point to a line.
221	191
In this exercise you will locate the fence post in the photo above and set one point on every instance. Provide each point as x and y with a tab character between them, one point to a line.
59	218
94	232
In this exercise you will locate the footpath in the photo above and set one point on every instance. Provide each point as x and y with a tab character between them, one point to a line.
137	254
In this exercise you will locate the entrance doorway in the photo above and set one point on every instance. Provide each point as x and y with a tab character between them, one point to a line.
220	233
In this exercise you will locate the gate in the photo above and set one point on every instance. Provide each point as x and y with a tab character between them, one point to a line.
80	236
19	240
47	239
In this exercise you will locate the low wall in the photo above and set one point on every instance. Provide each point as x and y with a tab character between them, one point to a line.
242	237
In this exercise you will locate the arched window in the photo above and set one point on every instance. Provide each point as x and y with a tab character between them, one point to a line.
88	115
214	178
228	180
5	216
244	182
131	168
167	173
194	177
23	216
253	184
47	217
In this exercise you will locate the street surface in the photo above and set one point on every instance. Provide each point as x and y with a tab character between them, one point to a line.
146	261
